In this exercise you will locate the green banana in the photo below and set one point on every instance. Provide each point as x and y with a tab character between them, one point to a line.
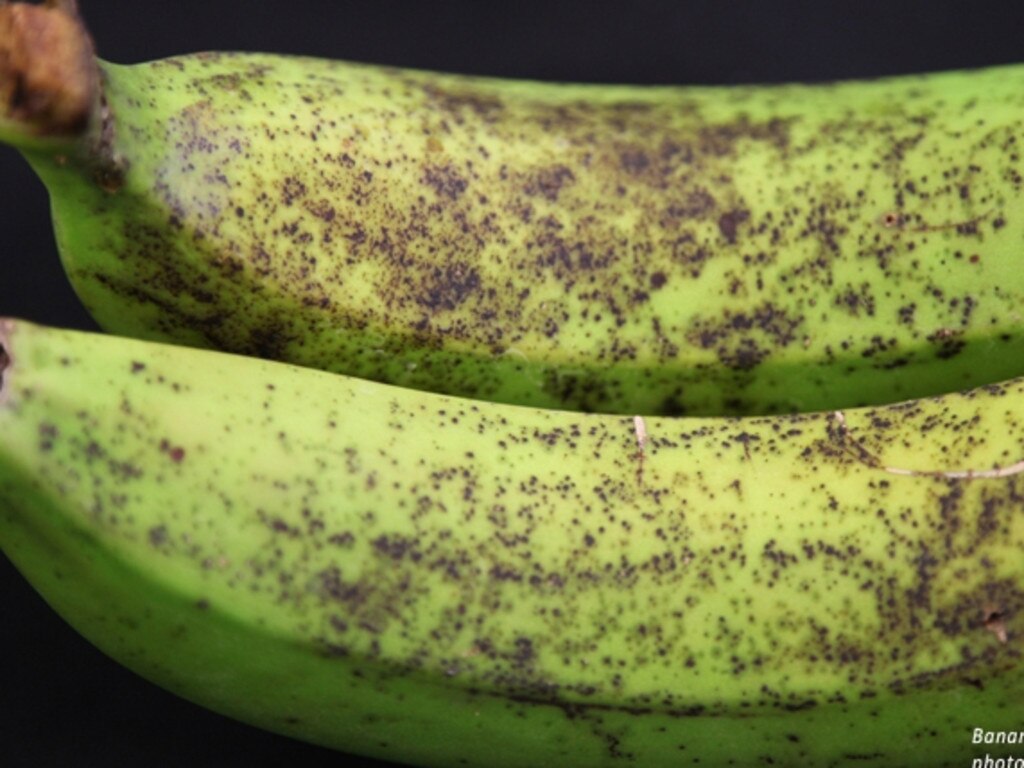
440	581
690	250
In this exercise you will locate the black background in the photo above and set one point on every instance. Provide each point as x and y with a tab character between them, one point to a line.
62	702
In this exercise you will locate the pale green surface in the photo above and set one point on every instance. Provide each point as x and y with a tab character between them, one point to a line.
449	582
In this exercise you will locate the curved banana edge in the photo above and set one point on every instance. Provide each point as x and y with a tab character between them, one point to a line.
368	568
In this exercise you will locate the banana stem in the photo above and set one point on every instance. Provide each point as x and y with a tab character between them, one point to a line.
51	94
49	77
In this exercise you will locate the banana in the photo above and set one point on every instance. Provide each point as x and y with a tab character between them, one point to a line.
672	250
439	581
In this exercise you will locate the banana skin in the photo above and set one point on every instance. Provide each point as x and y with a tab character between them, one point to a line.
438	581
657	250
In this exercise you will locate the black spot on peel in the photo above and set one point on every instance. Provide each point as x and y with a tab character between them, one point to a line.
47	436
695	204
742	340
292	189
460	103
634	161
334	587
174	452
445	288
396	547
906	314
587	391
548	182
158	535
948	342
723	139
278	525
857	300
322	209
729	224
445	181
690	253
344	540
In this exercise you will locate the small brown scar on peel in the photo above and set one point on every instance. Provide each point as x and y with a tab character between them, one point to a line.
891	219
994	623
640	431
870	460
965	474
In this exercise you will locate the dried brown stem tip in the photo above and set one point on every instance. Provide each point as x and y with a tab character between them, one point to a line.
48	74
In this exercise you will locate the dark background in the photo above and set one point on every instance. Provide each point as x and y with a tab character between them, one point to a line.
62	702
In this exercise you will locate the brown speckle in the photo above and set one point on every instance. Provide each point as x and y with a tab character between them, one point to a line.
729	223
174	452
445	181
